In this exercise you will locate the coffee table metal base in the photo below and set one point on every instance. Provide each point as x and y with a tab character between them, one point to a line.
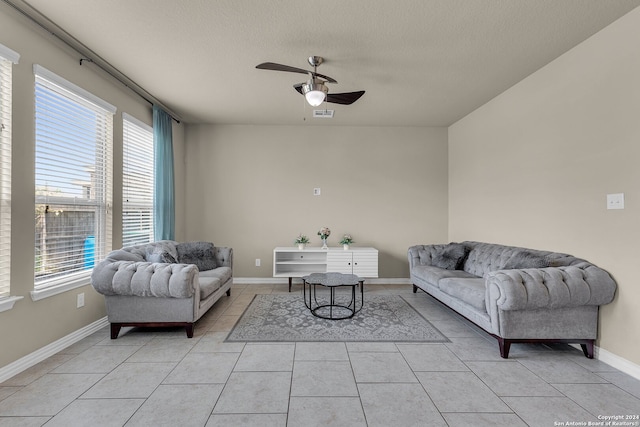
332	310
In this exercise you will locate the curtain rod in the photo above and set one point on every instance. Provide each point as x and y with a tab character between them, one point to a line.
87	54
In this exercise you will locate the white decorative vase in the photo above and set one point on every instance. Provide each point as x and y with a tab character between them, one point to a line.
345	246
300	246
324	244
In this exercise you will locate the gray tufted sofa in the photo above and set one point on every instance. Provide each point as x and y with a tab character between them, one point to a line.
515	294
163	283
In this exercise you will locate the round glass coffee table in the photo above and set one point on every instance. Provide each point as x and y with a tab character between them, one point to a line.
330	308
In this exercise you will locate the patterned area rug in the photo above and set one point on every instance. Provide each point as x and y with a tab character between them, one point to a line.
284	317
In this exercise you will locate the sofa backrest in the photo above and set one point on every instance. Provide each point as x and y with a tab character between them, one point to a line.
222	255
487	257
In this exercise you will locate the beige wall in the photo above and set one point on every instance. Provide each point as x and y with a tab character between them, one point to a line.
533	167
251	187
31	325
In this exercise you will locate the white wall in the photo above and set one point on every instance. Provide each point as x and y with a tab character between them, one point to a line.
533	166
251	187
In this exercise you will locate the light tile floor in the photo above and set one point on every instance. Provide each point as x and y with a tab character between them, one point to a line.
161	378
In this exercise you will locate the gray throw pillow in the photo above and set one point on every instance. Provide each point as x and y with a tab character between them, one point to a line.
450	257
162	257
157	254
199	253
526	259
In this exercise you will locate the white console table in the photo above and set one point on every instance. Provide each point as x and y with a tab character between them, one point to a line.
292	262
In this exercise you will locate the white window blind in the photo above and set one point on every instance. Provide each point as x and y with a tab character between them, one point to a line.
137	179
7	58
73	182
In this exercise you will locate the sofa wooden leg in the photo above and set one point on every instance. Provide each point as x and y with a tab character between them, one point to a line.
115	330
189	328
229	292
505	346
415	289
587	349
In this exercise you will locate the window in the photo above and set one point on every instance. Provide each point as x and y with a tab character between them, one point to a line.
137	182
74	136
7	59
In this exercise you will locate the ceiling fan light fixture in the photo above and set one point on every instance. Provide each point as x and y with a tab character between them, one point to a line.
315	92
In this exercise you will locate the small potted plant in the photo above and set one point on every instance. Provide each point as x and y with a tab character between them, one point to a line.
346	241
301	241
324	233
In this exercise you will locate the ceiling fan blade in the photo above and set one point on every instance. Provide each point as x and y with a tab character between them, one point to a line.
326	78
346	98
298	87
280	67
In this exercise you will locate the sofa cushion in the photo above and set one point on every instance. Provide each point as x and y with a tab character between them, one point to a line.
159	254
199	253
222	273
526	259
211	280
450	257
433	275
159	246
122	255
487	257
208	285
425	256
471	291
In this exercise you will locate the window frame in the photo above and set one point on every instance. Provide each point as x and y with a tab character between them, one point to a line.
8	58
51	85
137	146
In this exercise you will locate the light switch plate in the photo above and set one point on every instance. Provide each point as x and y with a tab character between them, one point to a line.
615	201
316	191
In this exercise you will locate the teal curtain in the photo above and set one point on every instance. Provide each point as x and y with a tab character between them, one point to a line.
163	197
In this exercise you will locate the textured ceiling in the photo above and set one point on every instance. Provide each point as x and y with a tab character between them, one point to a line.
421	62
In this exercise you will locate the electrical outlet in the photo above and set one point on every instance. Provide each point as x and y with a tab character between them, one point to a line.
615	201
317	191
80	300
257	262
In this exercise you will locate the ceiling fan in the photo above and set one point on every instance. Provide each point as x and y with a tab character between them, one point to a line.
314	90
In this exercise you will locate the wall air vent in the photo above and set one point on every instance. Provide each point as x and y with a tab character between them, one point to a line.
327	114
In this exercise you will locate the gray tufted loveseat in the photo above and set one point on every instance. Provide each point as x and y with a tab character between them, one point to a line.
515	294
163	283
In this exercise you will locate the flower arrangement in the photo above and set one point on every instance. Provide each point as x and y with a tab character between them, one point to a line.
346	239
324	232
301	239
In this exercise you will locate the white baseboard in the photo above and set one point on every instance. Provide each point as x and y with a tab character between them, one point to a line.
389	281
285	281
621	364
260	280
617	362
24	363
